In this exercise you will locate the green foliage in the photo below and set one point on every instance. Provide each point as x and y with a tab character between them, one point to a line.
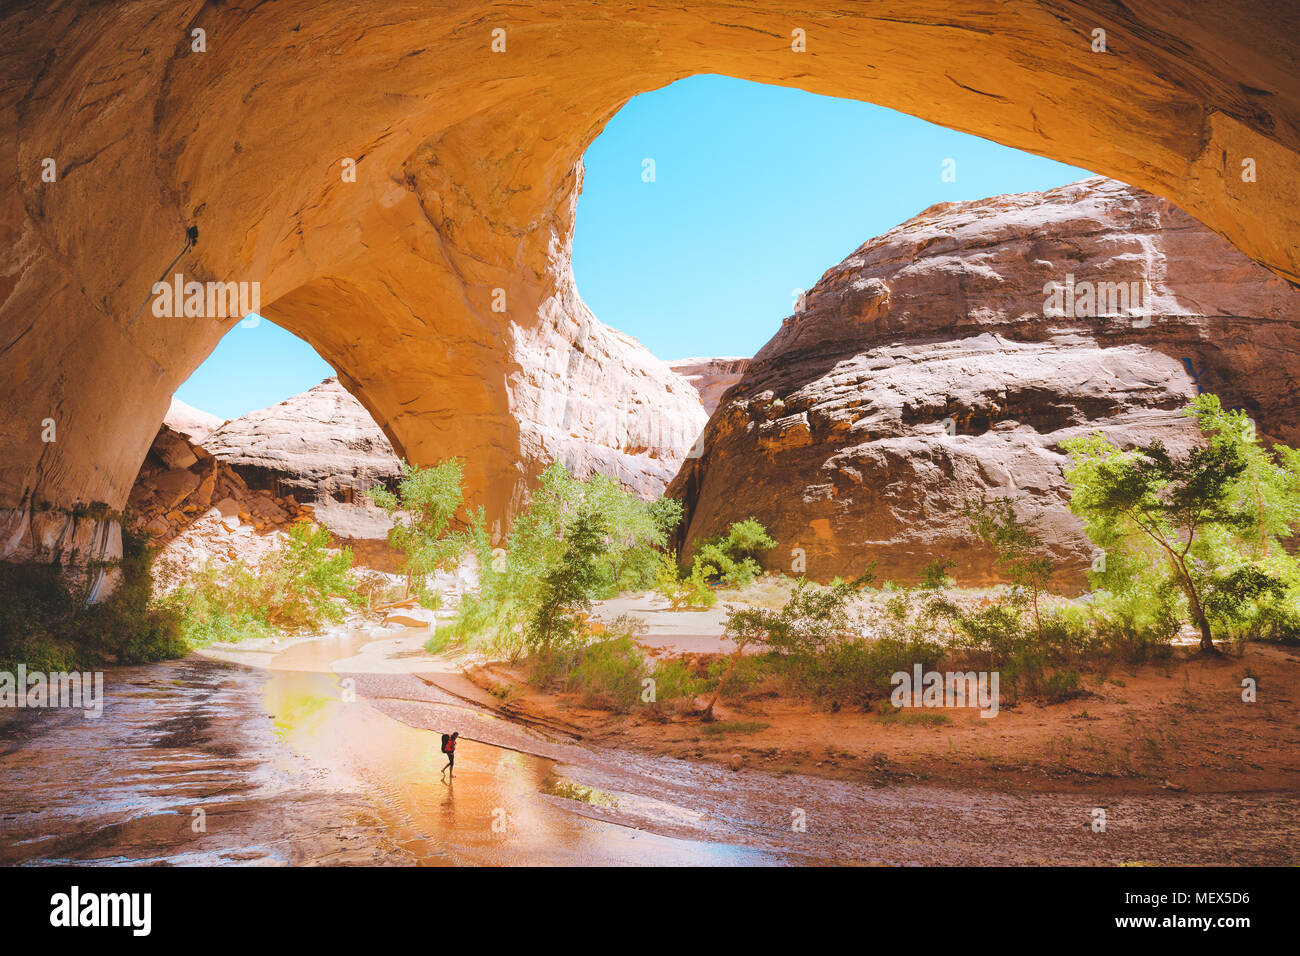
676	687
691	591
422	508
734	676
609	674
608	671
578	541
605	671
813	618
667	514
568	586
47	624
1018	545
1194	535
731	560
296	586
812	627
735	558
855	666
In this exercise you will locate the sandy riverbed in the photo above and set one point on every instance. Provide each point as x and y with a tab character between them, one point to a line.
326	752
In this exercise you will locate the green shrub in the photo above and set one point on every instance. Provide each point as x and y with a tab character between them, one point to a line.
691	591
675	686
858	671
749	671
46	624
296	586
606	672
609	674
576	542
733	559
423	506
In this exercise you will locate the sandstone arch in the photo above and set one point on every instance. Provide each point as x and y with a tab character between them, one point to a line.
468	171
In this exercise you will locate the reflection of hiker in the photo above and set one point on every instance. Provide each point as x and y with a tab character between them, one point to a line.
449	748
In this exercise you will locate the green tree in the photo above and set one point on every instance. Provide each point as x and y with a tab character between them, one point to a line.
812	618
567	587
1207	521
734	558
1018	545
422	508
667	514
513	584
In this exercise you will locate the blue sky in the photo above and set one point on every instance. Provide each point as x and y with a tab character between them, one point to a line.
757	191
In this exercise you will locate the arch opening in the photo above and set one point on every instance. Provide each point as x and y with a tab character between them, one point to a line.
467	184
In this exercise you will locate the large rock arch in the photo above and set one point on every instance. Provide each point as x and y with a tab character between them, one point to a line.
468	165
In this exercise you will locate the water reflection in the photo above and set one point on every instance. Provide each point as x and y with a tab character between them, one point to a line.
499	805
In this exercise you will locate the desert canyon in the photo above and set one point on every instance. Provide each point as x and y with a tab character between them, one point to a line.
438	282
401	182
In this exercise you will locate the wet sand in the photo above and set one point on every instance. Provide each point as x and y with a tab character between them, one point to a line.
327	753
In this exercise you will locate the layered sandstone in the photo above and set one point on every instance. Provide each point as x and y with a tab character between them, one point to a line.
192	423
319	443
932	367
320	446
711	377
437	279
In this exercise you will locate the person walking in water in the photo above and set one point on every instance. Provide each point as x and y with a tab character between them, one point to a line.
449	748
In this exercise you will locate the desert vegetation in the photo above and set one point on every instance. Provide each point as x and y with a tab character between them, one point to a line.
1197	540
1194	539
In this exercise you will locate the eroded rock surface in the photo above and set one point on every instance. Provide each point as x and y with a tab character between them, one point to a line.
196	507
190	422
437	280
924	372
711	377
320	446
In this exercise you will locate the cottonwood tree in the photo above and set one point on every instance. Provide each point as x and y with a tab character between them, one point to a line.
422	508
1208	521
567	586
576	541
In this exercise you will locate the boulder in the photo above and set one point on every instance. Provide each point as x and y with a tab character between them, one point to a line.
411	617
173	487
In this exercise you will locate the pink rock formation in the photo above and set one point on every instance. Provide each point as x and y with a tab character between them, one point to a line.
711	377
190	422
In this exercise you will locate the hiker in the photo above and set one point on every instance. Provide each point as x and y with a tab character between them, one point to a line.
449	748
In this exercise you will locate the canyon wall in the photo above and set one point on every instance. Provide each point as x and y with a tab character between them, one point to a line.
322	446
935	365
400	181
711	377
